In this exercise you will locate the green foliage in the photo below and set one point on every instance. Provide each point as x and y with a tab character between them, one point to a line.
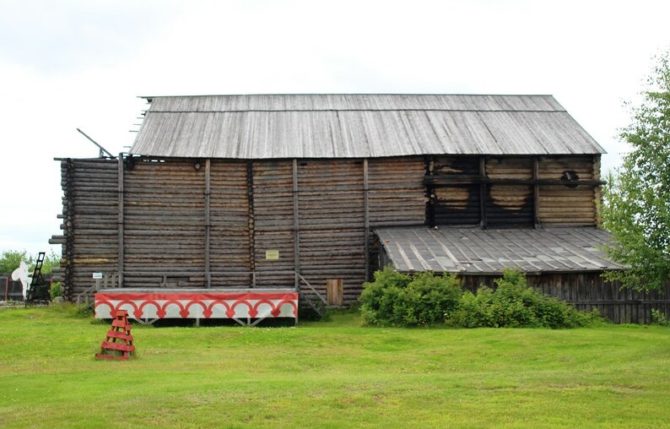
11	259
426	299
400	300
637	198
55	290
514	304
659	318
51	261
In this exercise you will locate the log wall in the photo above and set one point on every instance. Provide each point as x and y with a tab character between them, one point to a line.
566	205
90	221
530	191
230	251
509	205
164	226
273	216
236	223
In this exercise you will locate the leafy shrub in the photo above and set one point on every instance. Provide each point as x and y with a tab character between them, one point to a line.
515	304
427	299
400	300
659	318
55	290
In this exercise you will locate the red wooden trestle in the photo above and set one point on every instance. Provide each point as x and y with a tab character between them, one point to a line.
118	344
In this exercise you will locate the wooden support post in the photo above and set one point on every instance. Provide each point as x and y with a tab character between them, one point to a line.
536	193
251	223
430	193
208	191
67	260
296	227
597	191
121	255
366	214
483	223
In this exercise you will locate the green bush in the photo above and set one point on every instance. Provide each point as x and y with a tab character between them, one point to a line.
426	299
55	290
659	318
400	300
515	304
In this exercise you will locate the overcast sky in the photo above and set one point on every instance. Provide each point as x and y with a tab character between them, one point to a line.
69	64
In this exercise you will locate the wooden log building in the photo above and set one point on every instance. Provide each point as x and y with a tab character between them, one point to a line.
289	191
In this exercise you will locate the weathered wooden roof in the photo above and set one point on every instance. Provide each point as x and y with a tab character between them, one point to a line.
358	126
476	251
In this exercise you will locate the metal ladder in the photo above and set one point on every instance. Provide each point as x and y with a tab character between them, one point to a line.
38	290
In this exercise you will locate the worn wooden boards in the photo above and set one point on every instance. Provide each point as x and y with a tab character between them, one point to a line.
499	191
263	219
90	221
252	223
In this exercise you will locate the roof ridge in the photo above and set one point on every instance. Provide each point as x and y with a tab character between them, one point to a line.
364	110
348	94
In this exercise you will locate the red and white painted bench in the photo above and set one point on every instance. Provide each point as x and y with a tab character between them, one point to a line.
245	306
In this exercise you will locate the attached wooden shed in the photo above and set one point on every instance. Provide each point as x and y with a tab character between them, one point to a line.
246	191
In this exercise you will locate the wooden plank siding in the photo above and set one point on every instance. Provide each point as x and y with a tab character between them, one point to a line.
173	228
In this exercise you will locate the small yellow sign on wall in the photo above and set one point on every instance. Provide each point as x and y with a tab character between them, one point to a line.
272	255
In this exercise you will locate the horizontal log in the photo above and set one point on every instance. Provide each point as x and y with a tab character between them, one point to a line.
446	180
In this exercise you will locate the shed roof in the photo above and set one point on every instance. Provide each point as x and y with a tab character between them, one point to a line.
484	252
358	126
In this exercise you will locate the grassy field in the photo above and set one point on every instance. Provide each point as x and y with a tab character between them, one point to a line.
330	374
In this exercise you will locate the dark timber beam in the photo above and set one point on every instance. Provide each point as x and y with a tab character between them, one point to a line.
597	191
208	191
251	223
429	164
469	179
483	180
121	246
367	218
536	192
296	227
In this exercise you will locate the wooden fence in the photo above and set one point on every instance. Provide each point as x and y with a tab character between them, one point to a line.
588	291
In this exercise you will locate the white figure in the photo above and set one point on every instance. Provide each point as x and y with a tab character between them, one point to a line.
21	274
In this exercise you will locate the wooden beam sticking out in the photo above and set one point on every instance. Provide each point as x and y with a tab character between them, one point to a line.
296	226
121	246
208	192
470	179
367	218
536	192
483	223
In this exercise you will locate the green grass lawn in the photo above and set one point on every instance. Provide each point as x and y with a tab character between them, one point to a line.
330	374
